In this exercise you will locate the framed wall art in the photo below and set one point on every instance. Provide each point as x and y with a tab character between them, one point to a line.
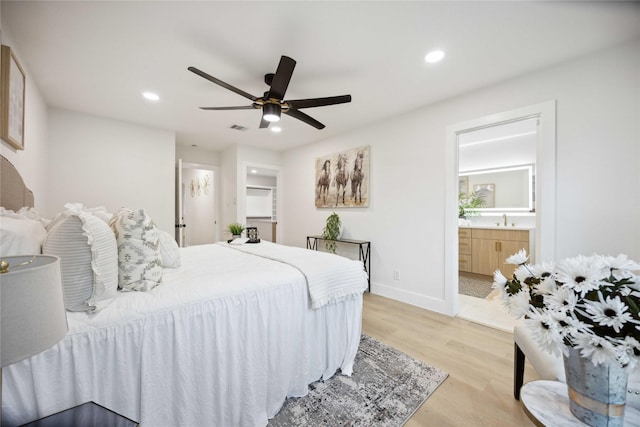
342	179
12	89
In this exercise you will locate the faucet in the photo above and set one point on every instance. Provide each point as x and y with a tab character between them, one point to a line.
504	217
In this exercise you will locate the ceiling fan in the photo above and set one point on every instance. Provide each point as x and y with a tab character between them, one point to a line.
272	103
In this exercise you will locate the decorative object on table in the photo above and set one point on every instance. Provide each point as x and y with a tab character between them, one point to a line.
586	308
32	307
342	179
252	234
331	232
468	203
12	89
235	229
385	390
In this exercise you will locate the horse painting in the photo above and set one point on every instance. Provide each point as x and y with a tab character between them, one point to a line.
323	182
341	177
356	178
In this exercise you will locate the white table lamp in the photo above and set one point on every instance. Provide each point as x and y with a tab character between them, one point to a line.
32	315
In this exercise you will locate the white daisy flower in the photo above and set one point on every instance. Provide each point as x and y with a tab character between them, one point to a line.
580	273
518	304
596	348
544	330
518	258
498	280
608	311
561	299
629	352
522	273
621	267
544	270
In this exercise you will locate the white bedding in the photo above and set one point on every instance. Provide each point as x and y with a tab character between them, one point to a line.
221	342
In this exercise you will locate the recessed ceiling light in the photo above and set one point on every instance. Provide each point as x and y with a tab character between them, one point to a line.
150	96
254	171
434	56
275	129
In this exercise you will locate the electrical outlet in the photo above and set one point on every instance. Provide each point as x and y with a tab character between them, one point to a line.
396	275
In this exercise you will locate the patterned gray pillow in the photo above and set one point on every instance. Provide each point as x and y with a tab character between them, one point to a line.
139	259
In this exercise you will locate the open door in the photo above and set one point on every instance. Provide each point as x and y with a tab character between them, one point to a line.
180	225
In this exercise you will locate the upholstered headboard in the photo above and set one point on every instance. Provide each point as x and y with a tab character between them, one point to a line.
13	193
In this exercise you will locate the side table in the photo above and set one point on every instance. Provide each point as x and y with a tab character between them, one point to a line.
88	414
546	403
364	252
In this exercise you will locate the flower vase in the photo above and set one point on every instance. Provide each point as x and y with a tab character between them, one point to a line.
597	394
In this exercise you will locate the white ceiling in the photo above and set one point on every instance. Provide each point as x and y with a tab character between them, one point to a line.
98	57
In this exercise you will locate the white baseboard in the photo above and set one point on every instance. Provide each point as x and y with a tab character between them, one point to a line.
429	303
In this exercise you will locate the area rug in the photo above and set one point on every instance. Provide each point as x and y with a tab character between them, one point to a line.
474	287
386	388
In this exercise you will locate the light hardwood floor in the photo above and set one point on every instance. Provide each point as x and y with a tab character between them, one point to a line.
478	359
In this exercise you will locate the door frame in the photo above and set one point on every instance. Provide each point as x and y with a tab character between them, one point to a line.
545	204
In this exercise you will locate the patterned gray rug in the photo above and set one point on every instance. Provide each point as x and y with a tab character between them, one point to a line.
386	388
474	287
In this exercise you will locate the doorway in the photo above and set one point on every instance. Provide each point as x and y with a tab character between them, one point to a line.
544	205
261	199
199	196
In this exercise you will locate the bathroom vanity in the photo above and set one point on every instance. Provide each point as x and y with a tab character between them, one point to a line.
484	249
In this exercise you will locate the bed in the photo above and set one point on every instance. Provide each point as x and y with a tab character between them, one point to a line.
222	341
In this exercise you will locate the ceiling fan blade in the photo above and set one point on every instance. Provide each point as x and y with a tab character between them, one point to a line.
264	123
319	102
221	83
282	77
305	118
246	107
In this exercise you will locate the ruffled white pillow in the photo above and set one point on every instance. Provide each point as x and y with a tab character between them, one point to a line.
139	259
21	233
169	250
88	258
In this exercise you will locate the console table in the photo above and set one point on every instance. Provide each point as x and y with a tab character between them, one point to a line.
547	404
364	252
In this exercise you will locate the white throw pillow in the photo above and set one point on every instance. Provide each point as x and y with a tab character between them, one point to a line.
20	234
169	250
88	259
139	259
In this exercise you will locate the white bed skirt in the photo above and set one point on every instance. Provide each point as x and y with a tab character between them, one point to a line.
229	361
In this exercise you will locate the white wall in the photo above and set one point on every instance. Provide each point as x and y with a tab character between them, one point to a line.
598	178
104	162
197	155
32	162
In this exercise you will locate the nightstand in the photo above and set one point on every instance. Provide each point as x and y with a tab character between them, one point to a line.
88	414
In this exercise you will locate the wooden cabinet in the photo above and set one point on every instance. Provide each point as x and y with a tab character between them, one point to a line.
464	249
491	247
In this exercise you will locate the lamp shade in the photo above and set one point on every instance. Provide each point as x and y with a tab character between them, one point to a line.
271	112
33	315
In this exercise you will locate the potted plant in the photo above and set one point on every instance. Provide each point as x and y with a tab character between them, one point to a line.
468	203
235	229
331	232
588	309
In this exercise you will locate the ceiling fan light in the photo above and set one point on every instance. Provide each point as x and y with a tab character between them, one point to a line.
271	112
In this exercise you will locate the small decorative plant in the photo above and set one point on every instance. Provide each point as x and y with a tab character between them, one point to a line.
235	229
468	203
589	303
331	232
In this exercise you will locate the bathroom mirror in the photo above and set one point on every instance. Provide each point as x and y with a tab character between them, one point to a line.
503	189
